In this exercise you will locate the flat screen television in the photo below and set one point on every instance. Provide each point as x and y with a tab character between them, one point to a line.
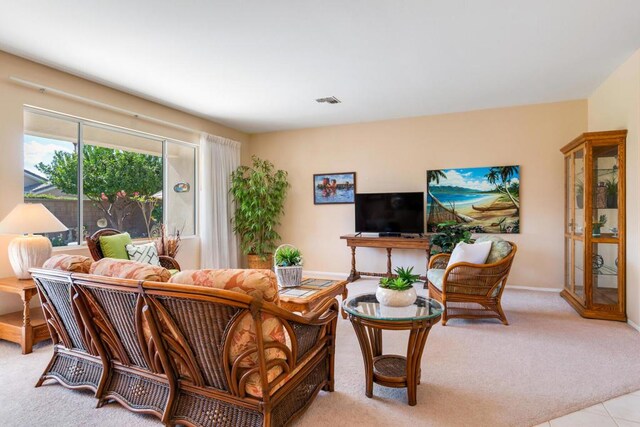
390	213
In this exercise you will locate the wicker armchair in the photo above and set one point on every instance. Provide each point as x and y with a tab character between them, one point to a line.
93	243
471	291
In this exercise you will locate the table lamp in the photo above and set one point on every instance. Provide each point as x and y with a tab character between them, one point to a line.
29	251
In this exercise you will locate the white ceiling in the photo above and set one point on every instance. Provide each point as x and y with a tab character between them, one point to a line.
259	65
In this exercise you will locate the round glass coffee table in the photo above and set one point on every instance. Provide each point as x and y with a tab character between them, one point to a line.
369	318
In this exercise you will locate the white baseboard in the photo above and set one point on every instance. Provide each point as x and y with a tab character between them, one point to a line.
633	325
334	275
533	288
323	274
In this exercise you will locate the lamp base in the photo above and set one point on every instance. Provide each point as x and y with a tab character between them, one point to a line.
27	252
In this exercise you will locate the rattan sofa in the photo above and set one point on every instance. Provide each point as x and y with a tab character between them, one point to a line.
165	349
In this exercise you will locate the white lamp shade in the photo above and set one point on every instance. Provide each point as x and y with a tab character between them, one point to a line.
27	218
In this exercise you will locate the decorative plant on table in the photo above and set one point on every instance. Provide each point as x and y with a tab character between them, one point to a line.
259	193
597	225
398	291
288	266
450	233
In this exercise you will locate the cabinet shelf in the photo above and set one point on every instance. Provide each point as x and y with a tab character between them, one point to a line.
605	270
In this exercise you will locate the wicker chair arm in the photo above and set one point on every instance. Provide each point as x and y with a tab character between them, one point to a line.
169	263
475	279
322	314
439	261
324	311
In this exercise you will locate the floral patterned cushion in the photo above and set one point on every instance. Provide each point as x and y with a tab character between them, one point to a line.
125	269
70	263
259	284
500	248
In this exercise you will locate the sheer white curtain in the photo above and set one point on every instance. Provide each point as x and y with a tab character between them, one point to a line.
219	245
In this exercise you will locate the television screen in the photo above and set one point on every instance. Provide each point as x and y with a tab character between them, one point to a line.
390	213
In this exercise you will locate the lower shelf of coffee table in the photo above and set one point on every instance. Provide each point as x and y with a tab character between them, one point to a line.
390	370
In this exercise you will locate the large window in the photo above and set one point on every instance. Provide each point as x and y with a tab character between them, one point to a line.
103	176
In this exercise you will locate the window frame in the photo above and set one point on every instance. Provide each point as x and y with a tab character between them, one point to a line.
164	141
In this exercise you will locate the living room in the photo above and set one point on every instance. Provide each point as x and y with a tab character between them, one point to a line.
153	132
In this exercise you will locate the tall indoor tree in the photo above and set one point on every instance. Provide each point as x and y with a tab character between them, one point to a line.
259	192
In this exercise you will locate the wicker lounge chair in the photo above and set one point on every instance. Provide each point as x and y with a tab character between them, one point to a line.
469	290
93	243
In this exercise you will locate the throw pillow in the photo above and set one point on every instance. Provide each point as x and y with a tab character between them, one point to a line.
70	263
500	248
147	253
115	246
125	269
474	253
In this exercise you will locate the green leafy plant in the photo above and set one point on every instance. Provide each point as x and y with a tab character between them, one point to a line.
405	278
407	275
288	257
611	186
259	192
449	234
111	177
600	222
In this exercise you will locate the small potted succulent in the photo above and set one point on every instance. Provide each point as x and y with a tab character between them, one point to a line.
398	291
288	266
597	225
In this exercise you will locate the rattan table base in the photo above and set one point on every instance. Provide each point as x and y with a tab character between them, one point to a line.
392	370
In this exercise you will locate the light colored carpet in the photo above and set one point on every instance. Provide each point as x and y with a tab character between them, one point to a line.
547	363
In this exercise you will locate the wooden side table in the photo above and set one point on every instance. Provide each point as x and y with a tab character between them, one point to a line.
311	293
25	327
369	318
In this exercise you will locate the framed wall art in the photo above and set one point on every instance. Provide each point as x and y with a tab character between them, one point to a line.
334	188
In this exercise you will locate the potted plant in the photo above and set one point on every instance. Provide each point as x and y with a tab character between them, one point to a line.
611	186
579	194
259	192
597	225
288	266
450	233
398	291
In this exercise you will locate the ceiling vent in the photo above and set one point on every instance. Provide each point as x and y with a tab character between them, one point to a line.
328	100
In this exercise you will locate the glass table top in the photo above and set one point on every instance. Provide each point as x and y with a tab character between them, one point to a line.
368	307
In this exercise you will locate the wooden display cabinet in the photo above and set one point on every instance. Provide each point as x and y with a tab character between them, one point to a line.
594	236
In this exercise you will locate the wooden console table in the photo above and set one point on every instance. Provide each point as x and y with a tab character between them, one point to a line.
388	243
25	327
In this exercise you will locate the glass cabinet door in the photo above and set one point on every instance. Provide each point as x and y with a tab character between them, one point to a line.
605	219
575	224
579	199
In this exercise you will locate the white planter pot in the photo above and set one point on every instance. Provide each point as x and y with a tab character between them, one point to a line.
289	277
392	298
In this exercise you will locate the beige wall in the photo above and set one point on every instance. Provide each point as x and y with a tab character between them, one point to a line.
394	156
616	105
12	99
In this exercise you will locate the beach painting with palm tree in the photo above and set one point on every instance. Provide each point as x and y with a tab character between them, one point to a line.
483	200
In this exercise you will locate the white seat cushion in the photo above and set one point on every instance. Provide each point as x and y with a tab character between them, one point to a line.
435	276
467	252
